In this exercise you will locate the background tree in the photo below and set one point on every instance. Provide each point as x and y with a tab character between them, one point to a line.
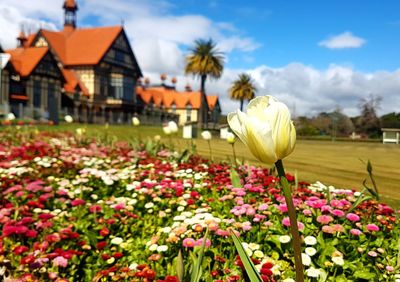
242	89
204	60
369	122
391	120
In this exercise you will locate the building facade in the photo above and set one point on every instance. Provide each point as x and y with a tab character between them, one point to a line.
98	70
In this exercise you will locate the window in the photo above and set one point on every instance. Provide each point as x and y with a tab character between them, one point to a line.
188	112
37	94
117	83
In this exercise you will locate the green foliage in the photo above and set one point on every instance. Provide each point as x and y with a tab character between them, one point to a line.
249	267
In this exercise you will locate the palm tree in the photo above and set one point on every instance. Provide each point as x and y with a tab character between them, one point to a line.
204	60
242	88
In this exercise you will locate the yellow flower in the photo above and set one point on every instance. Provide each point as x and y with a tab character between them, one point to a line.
266	129
230	138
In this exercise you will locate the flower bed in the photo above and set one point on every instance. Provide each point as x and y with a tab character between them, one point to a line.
75	210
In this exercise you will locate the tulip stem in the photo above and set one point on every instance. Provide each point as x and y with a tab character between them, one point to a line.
234	154
294	230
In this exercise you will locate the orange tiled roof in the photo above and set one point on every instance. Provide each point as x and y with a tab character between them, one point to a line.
72	81
81	46
212	101
25	60
168	97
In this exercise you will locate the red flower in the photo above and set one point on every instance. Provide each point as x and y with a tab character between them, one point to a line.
118	255
104	231
31	233
28	259
95	209
77	202
20	250
101	245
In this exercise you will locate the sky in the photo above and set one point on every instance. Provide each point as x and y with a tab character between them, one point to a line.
313	55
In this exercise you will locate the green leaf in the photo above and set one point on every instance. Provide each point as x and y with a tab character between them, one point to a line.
197	269
364	274
235	179
180	270
249	267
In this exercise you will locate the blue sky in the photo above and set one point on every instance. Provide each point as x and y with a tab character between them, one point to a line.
289	31
313	55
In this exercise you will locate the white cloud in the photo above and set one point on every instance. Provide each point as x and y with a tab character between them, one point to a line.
308	91
342	41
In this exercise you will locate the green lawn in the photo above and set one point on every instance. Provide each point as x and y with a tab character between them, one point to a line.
333	163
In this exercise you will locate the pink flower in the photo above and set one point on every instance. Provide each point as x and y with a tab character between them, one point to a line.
95	209
324	219
221	232
77	202
372	227
372	254
353	217
283	208
355	232
307	212
286	222
338	213
389	268
199	242
263	207
60	261
326	208
246	226
189	242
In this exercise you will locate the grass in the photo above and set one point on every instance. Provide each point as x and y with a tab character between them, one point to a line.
341	164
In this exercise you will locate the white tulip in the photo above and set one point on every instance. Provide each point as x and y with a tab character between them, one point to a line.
135	121
68	119
206	135
230	138
167	130
266	129
10	116
173	126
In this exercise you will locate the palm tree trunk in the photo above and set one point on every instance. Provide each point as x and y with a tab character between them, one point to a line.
241	104
204	105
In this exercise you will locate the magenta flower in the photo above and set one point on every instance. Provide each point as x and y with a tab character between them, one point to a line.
338	213
307	212
353	217
77	202
372	227
189	242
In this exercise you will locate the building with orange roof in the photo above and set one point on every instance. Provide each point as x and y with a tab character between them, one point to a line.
186	104
98	69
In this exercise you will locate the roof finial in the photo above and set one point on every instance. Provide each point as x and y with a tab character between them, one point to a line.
70	7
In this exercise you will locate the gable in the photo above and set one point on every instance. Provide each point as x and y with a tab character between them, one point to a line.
120	53
41	42
48	67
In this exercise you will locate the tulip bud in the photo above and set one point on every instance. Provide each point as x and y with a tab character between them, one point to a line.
135	121
10	116
206	135
230	138
266	129
173	126
167	130
68	119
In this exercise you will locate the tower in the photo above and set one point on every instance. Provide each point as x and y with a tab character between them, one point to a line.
70	7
